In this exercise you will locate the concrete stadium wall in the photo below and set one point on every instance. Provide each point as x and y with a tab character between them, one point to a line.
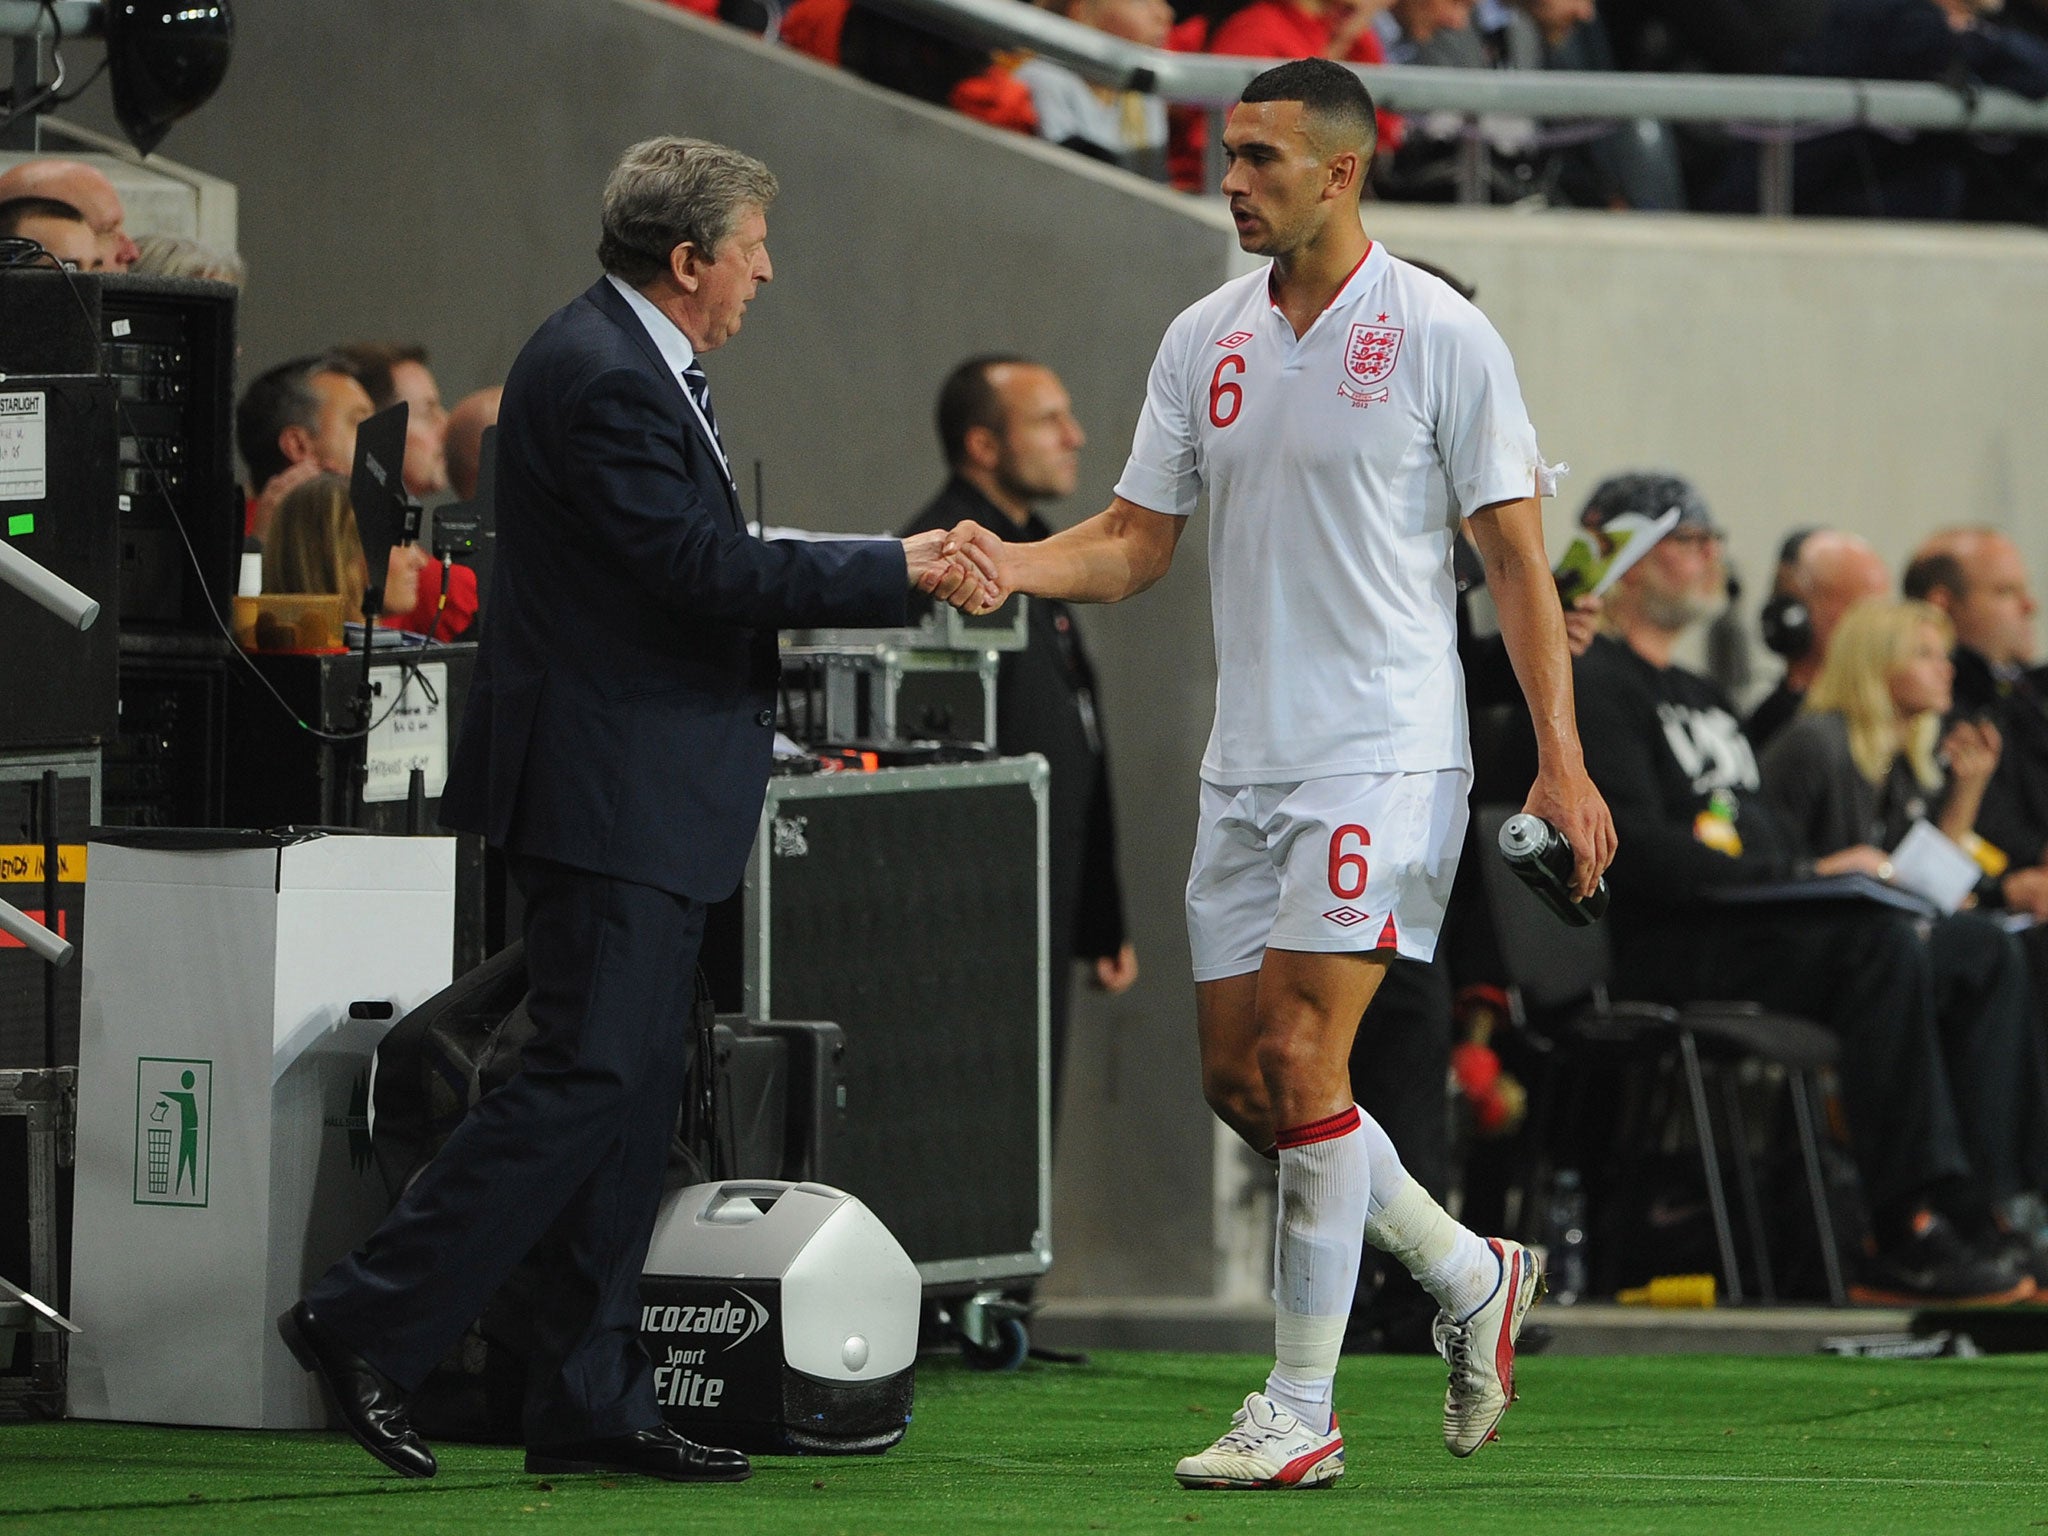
430	169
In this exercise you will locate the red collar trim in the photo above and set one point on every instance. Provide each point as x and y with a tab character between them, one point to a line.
1274	303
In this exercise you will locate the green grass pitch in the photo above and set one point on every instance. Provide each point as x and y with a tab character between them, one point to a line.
1668	1444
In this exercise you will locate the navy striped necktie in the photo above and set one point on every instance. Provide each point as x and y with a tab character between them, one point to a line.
700	391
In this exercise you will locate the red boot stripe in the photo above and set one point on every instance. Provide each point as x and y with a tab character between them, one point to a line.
1298	1468
1504	1349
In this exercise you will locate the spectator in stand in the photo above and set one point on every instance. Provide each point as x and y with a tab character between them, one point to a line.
295	421
1423	31
1923	177
893	53
1665	749
88	191
1126	128
1977	578
58	228
474	414
1822	574
1734	37
1850	777
316	547
391	371
176	256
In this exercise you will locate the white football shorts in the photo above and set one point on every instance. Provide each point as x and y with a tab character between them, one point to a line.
1339	865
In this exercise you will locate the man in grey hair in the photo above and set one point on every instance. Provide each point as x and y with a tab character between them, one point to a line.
616	747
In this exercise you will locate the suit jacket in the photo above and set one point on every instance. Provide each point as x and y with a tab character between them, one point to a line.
2015	813
622	713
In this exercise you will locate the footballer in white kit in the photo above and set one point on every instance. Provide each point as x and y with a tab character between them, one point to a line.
1343	411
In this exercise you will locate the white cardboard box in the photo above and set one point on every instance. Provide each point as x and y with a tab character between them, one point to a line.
223	1107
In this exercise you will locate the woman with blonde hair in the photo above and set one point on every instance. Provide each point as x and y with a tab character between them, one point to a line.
1867	761
1857	767
313	546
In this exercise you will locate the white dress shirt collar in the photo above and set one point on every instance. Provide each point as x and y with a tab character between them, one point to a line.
675	350
667	336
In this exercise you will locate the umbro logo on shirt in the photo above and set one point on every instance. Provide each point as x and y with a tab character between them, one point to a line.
1234	340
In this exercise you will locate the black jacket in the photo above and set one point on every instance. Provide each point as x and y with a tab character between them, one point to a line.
1047	702
2015	813
622	714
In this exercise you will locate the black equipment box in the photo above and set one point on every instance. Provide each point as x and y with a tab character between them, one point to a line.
159	470
23	977
779	1099
57	478
166	765
935	967
38	1117
170	347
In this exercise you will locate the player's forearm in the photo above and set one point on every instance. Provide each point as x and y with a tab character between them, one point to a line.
1532	624
1104	560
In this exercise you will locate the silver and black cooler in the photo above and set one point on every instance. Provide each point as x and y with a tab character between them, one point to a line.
780	1317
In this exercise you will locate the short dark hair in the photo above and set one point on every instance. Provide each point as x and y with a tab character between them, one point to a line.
371	364
969	399
1931	573
1333	98
17	211
278	398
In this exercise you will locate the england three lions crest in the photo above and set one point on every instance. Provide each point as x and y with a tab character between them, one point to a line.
1370	354
1369	357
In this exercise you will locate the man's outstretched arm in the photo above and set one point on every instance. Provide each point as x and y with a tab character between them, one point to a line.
1510	539
1113	555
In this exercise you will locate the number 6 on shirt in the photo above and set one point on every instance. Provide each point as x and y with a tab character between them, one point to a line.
1347	870
1225	399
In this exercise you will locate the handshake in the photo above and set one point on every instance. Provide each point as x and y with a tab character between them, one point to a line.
967	566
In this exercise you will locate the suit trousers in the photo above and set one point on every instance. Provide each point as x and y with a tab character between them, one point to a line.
565	1161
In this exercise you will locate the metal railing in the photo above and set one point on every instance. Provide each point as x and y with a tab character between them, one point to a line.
1774	111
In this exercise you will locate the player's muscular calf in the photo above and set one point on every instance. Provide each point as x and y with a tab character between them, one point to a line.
1276	1046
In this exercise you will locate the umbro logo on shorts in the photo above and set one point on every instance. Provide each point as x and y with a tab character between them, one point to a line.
1345	917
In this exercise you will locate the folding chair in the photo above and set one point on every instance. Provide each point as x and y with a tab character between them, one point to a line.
1562	971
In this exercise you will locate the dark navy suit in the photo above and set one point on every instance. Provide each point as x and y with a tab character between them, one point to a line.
616	745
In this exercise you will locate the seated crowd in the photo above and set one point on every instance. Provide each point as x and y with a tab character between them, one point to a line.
1943	1076
1966	44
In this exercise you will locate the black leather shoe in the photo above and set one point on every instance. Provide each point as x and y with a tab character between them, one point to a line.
372	1407
658	1452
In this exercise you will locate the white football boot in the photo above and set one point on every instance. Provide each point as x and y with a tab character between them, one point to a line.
1481	1350
1266	1447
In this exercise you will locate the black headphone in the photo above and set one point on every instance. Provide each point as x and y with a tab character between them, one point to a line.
1786	622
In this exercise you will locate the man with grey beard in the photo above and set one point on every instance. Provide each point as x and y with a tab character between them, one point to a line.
1664	747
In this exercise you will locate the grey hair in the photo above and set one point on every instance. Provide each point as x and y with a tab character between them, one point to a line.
668	191
176	256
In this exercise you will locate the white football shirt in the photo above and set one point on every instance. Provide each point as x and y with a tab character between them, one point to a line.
1337	466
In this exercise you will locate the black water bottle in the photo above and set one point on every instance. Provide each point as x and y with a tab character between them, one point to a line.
1540	855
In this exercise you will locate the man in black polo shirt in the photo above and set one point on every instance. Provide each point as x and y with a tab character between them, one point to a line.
1011	441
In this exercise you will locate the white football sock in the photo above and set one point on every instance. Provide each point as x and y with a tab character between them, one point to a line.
1324	1184
1451	1262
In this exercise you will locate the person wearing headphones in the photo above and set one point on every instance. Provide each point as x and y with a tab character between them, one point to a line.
1822	573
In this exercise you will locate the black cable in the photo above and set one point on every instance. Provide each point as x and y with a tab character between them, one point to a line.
48	95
